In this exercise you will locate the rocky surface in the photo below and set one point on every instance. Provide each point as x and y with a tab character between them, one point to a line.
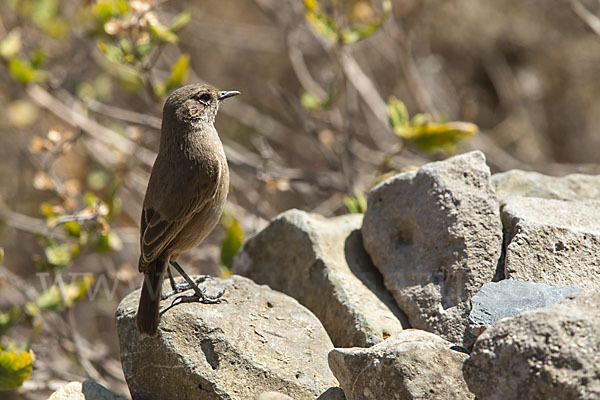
86	390
412	364
549	353
509	298
436	236
532	184
322	263
552	241
273	396
259	340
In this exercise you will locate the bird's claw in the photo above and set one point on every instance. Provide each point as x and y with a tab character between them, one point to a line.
203	298
183	286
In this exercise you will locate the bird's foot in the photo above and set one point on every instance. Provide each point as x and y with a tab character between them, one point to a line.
183	286
200	298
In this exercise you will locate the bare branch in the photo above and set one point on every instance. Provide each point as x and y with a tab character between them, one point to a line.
93	128
125	115
586	16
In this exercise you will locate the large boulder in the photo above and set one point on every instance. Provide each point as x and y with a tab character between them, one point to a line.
436	236
321	262
552	241
533	184
259	340
548	353
412	364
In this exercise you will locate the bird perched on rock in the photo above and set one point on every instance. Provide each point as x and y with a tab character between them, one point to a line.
185	195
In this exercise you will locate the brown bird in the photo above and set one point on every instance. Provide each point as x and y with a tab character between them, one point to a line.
185	196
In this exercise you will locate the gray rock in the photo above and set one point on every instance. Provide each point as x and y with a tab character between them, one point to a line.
86	390
533	184
552	353
259	340
412	364
509	298
322	263
436	236
273	396
552	241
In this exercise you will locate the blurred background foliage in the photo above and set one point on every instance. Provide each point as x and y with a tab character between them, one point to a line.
337	95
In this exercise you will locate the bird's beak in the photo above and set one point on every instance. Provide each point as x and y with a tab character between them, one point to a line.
224	94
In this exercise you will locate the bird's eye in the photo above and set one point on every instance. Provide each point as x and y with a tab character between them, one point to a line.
204	98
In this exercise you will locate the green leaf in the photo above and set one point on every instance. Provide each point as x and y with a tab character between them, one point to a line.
56	28
112	52
31	309
419	120
323	24
44	10
109	242
46	209
9	318
122	6
360	32
427	135
22	70
142	49
73	228
14	369
10	44
90	199
59	256
77	290
37	328
106	9
40	263
180	20
179	72
397	113
234	238
162	33
310	101
37	58
59	297
97	180
103	10
1	254
50	300
356	204
434	137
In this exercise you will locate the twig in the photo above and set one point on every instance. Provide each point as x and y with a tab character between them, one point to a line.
511	96
78	217
81	350
586	16
23	287
329	206
125	115
210	28
93	128
302	73
28	224
364	86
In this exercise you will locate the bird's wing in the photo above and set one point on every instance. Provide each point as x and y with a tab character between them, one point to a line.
157	234
176	201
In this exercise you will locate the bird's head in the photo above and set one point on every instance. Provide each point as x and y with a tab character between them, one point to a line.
196	103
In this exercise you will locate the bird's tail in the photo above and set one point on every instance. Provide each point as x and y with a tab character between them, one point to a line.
147	315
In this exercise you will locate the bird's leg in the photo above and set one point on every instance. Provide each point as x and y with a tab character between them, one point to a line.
180	287
199	294
171	279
